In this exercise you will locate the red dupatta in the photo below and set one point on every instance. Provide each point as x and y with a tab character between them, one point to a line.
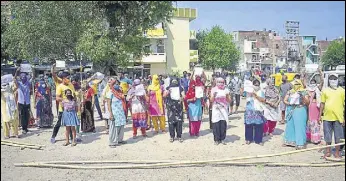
191	92
120	96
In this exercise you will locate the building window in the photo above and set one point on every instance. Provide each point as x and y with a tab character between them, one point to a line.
147	48
160	47
193	45
253	45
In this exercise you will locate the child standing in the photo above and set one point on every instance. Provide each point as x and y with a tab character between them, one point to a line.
69	117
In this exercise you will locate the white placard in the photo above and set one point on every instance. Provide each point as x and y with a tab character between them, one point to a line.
5	79
60	64
295	99
199	71
140	91
99	76
258	106
199	92
175	93
248	86
25	68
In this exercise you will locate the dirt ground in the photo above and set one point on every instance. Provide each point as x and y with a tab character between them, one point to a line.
95	147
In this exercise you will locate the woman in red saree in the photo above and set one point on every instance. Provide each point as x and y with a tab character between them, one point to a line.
194	106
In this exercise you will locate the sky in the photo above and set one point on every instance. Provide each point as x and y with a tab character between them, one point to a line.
324	19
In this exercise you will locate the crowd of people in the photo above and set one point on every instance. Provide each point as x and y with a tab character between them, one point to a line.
311	113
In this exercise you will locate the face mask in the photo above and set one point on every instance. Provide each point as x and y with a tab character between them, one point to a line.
284	80
174	83
43	85
69	97
23	77
313	85
220	85
333	83
256	87
116	87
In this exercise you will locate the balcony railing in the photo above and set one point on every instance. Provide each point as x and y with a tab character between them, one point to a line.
185	13
155	33
154	58
254	61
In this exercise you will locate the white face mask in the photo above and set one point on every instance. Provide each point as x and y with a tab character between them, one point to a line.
256	88
333	83
43	85
313	85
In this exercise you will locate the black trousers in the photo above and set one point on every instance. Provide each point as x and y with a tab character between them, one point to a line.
176	127
254	132
57	127
24	113
236	98
219	130
210	116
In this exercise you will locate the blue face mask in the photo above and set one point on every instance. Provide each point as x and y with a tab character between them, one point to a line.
116	87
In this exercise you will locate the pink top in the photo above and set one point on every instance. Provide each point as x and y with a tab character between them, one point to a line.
69	105
314	111
154	108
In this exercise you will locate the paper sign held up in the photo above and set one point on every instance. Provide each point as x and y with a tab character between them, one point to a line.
25	68
199	92
198	71
175	93
60	64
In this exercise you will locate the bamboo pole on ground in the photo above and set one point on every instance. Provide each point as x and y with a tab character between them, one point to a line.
181	162
21	146
19	143
110	161
44	165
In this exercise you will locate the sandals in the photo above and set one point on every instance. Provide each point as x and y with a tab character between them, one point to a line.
74	144
171	140
65	144
181	140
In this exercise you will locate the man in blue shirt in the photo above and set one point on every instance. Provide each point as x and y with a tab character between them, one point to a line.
24	89
185	81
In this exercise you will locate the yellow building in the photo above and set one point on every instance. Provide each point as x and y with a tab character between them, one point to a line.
170	45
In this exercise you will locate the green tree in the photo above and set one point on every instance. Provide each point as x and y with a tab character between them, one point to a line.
216	49
4	25
107	32
335	54
122	40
